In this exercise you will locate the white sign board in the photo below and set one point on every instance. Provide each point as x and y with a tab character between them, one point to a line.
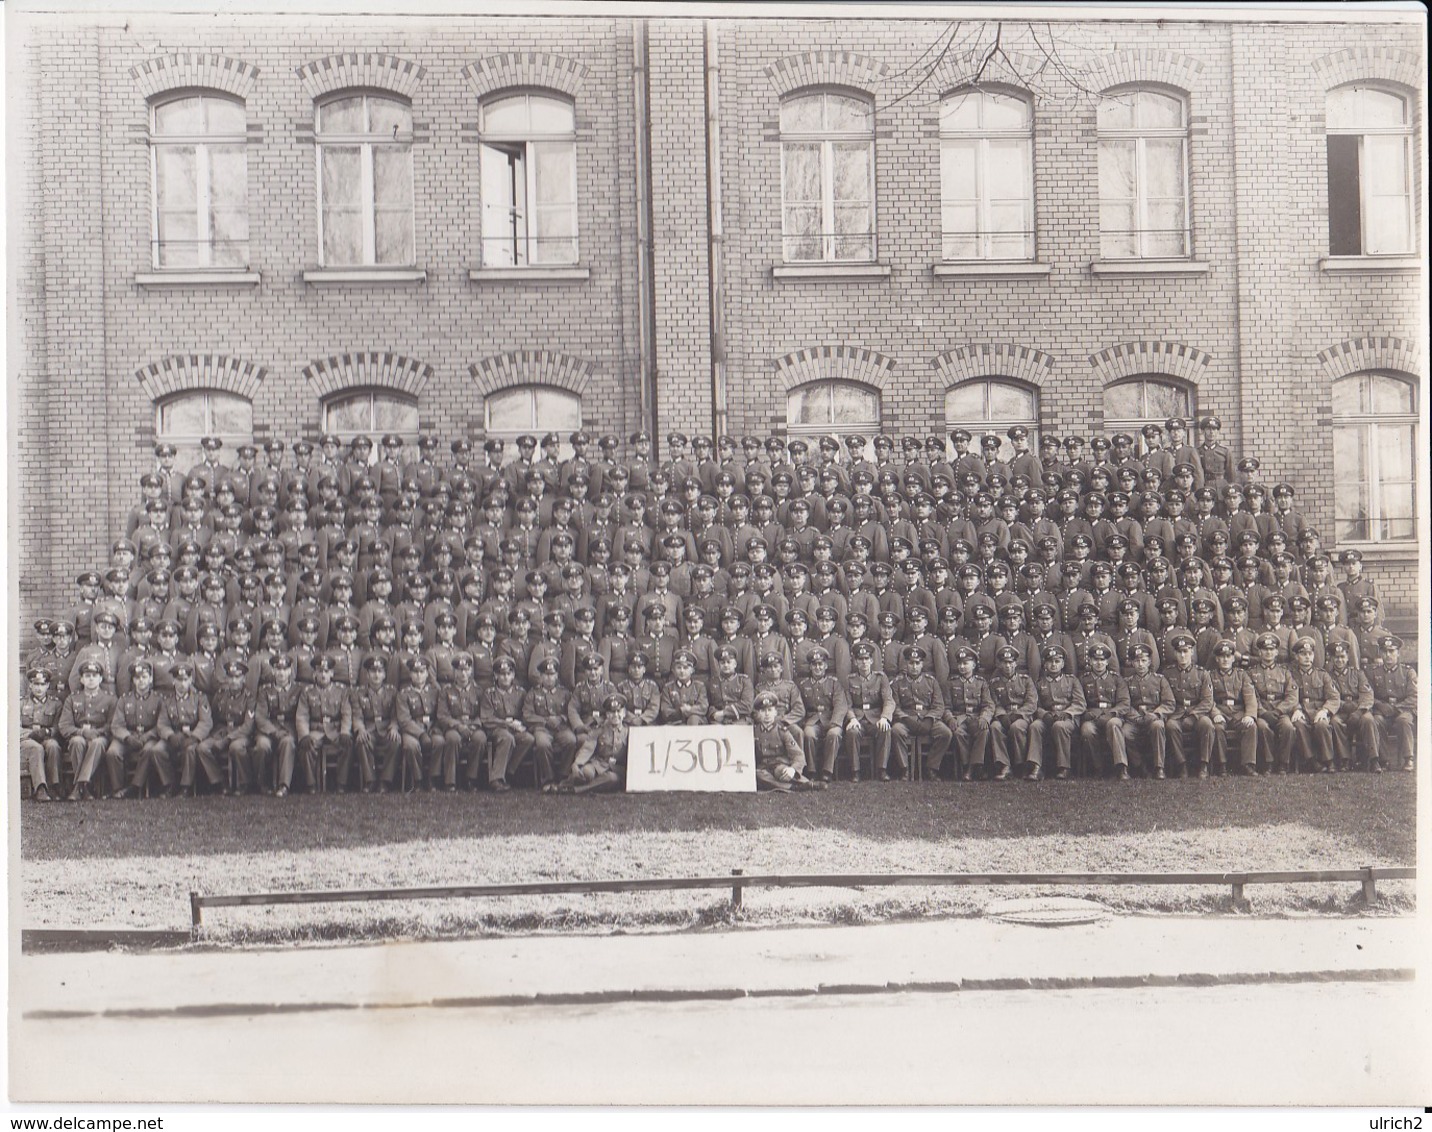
715	757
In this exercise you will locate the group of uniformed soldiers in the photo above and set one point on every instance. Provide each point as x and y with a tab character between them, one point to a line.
351	622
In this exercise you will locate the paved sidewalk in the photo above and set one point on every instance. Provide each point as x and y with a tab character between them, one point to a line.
945	955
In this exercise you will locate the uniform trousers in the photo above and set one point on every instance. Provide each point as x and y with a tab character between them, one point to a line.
862	732
1183	725
1061	729
1355	738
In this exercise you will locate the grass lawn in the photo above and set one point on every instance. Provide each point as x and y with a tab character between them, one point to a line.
133	864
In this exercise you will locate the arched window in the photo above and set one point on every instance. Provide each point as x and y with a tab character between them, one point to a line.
200	175
832	408
1369	172
828	177
1129	405
372	413
365	180
534	409
186	418
986	176
993	406
1374	458
529	180
1143	175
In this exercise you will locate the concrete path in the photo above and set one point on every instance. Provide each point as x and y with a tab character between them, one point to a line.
946	955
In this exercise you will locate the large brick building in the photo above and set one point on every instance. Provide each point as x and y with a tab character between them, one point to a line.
276	226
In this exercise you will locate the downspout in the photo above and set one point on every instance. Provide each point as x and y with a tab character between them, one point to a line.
716	250
645	267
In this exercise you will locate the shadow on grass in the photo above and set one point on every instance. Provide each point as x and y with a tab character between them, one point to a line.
1377	813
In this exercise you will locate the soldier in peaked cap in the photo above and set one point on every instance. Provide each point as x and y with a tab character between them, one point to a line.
1193	706
1061	703
920	711
1235	711
1215	460
1394	687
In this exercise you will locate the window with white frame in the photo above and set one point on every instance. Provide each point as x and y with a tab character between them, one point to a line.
1143	175
993	407
828	178
200	178
1374	458
372	413
186	418
533	409
833	408
1129	405
986	176
365	181
1369	172
528	163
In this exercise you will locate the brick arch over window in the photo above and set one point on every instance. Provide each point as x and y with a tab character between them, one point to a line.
1363	64
360	69
1381	352
531	367
525	69
368	370
975	68
826	68
183	69
984	359
834	363
1125	67
1129	359
167	376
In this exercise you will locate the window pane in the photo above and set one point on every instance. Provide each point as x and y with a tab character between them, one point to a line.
1348	395
960	111
510	410
1384	178
393	237
845	114
183	416
957	169
351	414
802	172
958	222
342	116
1005	112
342	177
1123	402
852	404
552	116
1381	109
178	177
1165	235
801	115
1165	400
1011	403
231	415
1344	195
808	405
392	176
558	411
505	115
1158	111
1349	465
394	414
386	115
228	177
342	206
1342	108
1163	167
1394	452
181	116
225	116
1116	111
1389	396
1007	174
555	172
1116	170
852	171
965	402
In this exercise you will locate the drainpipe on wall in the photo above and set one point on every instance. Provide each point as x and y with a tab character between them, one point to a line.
645	264
715	297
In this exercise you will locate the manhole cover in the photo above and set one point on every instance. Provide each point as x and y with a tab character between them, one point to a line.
1048	911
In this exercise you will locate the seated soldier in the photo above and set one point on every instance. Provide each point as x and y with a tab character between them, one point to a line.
1150	705
544	711
275	736
600	761
232	707
185	720
971	709
134	736
1318	702
502	720
683	698
779	761
323	721
458	713
1016	699
1277	697
40	710
373	711
1235	711
1061	703
919	711
730	694
872	708
1394	689
1355	738
1192	707
826	709
1106	704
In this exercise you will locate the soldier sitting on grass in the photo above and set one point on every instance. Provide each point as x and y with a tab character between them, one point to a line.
779	761
600	762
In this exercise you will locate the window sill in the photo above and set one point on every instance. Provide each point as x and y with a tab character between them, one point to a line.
834	271
325	276
1370	265
151	280
1116	268
1404	551
993	269
529	274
